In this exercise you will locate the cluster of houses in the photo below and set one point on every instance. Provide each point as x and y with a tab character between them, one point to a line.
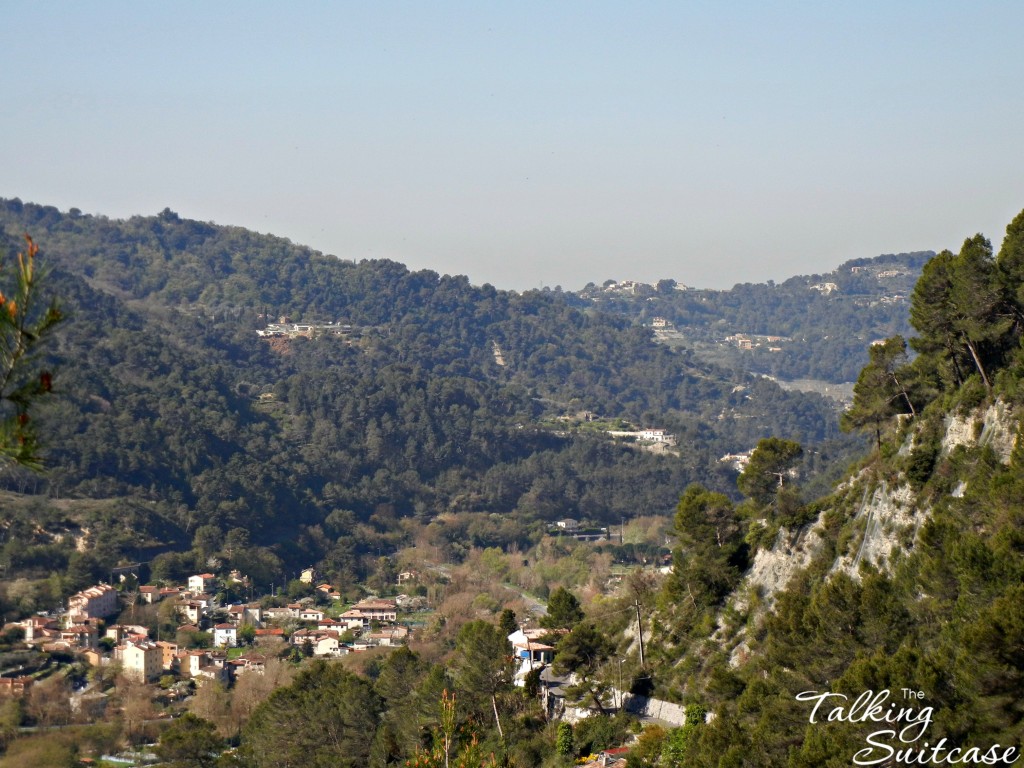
83	630
755	341
630	288
371	622
884	274
141	659
289	330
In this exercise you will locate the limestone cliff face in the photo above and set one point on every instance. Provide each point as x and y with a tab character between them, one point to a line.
773	568
891	514
880	515
888	516
996	426
769	574
888	519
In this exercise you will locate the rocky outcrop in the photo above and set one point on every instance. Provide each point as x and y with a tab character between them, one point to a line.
995	426
890	517
885	522
773	568
890	520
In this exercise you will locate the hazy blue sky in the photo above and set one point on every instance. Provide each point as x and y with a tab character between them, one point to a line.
530	143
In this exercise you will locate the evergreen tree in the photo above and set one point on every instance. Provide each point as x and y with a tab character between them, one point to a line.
880	392
1010	264
507	621
24	324
931	315
189	742
707	560
564	611
769	465
960	308
324	719
482	665
976	300
583	652
563	741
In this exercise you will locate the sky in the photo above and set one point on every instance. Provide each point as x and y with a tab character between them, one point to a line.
530	144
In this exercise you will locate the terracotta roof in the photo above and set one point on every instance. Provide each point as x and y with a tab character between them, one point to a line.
531	646
369	605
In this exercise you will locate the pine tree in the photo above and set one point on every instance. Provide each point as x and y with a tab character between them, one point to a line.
1010	264
769	465
881	390
960	308
482	665
583	652
23	325
564	610
931	314
976	300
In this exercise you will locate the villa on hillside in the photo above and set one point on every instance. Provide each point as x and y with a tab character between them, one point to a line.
648	435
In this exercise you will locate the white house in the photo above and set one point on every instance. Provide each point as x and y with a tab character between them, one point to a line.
97	602
654	435
388	636
246	614
201	582
529	653
353	619
225	636
193	611
141	661
327	644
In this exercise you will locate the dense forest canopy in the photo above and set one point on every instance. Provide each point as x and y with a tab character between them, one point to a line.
440	398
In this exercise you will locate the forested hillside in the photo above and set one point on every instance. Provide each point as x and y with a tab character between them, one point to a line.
819	326
441	398
878	624
906	578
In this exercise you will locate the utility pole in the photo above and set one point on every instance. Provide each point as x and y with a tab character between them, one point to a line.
640	630
620	682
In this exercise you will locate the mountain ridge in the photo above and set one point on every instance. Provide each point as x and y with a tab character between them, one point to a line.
161	371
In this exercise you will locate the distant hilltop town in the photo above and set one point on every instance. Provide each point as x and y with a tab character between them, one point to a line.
284	328
631	288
